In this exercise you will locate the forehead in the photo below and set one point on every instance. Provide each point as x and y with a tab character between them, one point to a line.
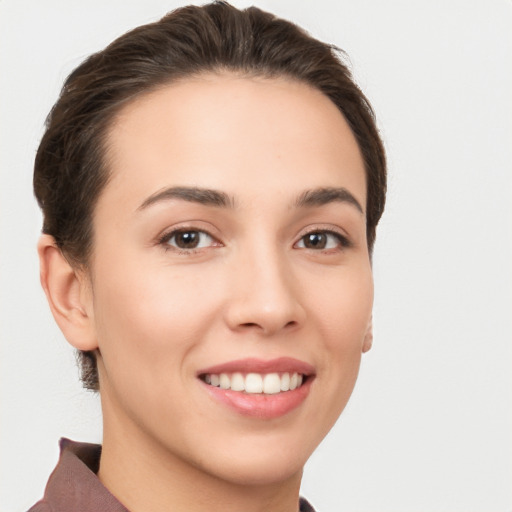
234	133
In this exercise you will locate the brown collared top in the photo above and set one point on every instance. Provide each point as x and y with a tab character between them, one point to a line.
74	487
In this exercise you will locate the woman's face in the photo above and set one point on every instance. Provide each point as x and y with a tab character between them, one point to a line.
230	245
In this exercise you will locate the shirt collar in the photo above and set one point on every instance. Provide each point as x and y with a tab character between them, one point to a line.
73	485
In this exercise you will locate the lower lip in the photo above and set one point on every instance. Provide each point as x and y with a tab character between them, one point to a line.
261	405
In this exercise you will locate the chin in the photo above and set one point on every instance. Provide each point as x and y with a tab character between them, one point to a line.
264	459
266	470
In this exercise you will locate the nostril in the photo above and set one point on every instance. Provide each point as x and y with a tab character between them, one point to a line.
252	325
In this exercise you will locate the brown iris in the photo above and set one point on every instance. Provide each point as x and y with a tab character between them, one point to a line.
187	239
315	241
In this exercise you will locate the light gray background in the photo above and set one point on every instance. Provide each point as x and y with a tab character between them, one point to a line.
429	425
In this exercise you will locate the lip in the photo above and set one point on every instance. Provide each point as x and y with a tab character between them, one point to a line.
260	405
254	365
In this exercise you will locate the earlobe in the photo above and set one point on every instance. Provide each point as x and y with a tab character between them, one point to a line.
68	295
368	337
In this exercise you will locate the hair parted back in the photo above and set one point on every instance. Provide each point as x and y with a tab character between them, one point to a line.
70	166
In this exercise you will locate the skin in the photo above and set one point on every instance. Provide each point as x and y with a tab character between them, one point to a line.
157	313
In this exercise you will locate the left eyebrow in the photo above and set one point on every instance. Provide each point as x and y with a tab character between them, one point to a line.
199	195
323	196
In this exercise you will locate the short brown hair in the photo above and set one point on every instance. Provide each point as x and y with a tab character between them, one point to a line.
70	170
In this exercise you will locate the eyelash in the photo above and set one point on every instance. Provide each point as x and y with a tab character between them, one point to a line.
343	241
167	237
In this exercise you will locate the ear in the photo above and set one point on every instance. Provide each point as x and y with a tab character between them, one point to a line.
69	295
368	337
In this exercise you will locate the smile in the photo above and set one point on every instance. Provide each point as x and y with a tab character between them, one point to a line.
255	383
258	388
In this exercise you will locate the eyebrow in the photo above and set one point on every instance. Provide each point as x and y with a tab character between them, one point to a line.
323	196
210	197
199	195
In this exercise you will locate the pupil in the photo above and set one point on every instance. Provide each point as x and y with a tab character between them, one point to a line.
187	239
315	241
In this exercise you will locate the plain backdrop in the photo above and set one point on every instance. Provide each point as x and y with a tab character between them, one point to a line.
429	426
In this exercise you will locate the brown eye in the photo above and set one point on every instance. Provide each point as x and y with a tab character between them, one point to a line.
189	239
322	240
315	241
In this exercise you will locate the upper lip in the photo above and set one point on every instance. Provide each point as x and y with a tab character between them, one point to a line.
254	365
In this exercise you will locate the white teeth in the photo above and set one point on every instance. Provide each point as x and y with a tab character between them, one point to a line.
237	382
293	381
224	381
253	383
269	384
285	382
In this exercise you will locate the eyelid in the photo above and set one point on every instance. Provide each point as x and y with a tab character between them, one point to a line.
168	234
343	238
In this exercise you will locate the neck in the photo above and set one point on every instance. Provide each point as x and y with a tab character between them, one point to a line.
144	475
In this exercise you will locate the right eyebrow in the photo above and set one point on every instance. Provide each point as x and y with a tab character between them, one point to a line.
204	196
326	195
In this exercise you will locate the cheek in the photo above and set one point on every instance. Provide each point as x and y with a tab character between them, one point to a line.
148	324
342	317
148	320
343	308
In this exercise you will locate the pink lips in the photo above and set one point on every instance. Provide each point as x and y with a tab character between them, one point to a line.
261	405
280	365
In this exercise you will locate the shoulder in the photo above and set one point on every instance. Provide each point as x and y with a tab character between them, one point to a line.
41	506
305	506
74	486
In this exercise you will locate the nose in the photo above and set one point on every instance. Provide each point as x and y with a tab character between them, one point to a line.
265	295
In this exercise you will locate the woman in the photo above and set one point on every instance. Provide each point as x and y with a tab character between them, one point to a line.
211	186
